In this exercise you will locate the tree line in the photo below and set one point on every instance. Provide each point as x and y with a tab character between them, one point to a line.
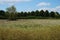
12	14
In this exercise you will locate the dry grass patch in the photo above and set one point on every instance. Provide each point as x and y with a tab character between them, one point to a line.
30	29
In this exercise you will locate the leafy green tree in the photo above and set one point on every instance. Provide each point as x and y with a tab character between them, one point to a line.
42	13
2	14
29	13
22	14
18	14
52	14
32	13
12	12
57	15
25	14
46	13
37	13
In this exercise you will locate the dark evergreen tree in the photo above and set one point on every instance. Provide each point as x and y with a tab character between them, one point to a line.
29	13
52	14
22	14
42	13
37	13
25	14
2	13
57	15
32	13
46	13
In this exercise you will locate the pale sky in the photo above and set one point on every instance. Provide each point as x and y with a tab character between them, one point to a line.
31	5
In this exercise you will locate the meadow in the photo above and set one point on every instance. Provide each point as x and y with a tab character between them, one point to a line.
30	29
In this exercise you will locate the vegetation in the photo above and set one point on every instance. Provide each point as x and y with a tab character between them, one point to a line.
34	25
12	14
30	29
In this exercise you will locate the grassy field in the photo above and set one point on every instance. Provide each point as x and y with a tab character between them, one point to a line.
30	29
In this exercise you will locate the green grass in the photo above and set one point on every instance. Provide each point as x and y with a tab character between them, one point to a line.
30	29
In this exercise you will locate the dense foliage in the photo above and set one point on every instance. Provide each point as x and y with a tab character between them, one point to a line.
12	14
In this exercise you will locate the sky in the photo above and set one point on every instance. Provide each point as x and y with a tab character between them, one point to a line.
31	5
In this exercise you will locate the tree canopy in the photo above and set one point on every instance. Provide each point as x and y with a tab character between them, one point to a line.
12	14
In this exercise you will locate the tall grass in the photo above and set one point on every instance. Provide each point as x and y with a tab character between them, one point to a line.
30	29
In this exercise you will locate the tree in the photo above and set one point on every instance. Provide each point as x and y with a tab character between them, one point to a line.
46	13
57	15
41	13
12	12
22	14
32	13
37	13
25	14
52	14
29	13
2	14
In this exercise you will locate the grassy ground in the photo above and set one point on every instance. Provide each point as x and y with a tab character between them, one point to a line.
30	29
